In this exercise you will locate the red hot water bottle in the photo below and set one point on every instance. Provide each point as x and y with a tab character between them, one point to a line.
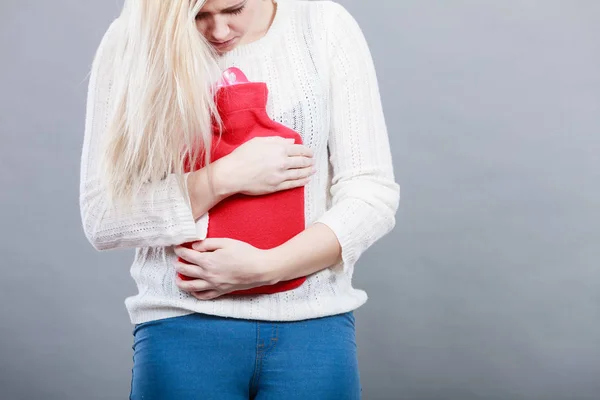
265	221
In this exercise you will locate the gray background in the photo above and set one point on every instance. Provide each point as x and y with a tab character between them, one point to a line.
488	288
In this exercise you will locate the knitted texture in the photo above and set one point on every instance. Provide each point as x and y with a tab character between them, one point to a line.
322	84
265	221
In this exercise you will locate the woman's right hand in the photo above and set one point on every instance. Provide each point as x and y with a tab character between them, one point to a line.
265	165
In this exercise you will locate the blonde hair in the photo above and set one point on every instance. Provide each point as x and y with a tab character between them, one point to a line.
163	106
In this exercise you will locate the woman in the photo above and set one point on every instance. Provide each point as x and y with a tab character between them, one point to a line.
150	96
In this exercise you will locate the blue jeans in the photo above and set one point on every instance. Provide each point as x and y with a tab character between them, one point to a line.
205	357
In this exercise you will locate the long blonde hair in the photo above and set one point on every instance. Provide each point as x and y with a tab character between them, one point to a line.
164	70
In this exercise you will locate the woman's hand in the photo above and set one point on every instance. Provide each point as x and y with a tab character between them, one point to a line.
265	165
220	266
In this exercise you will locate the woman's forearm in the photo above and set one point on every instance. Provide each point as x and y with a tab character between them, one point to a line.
312	250
207	187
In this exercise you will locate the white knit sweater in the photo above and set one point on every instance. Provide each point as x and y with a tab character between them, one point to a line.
322	84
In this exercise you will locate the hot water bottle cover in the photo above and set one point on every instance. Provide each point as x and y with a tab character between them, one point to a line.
265	221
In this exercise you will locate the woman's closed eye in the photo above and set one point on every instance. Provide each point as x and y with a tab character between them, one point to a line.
234	11
237	11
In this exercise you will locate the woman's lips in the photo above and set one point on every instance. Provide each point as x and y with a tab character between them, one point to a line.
223	45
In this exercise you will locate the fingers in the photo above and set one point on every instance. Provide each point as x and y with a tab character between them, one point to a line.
291	184
189	270
195	285
299	150
299	162
299	173
206	295
189	255
292	149
210	244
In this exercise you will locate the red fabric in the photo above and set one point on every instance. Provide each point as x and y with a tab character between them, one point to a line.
265	221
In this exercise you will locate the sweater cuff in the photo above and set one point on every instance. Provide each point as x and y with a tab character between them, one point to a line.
199	230
334	219
202	226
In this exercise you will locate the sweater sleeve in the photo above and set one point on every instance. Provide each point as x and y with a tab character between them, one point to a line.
364	194
160	215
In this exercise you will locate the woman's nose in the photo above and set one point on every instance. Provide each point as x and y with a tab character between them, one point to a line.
220	29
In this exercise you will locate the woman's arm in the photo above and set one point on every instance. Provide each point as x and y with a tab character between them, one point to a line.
364	193
221	265
161	215
365	196
207	192
314	249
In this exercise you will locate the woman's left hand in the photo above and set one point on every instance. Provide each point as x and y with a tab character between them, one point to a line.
219	266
